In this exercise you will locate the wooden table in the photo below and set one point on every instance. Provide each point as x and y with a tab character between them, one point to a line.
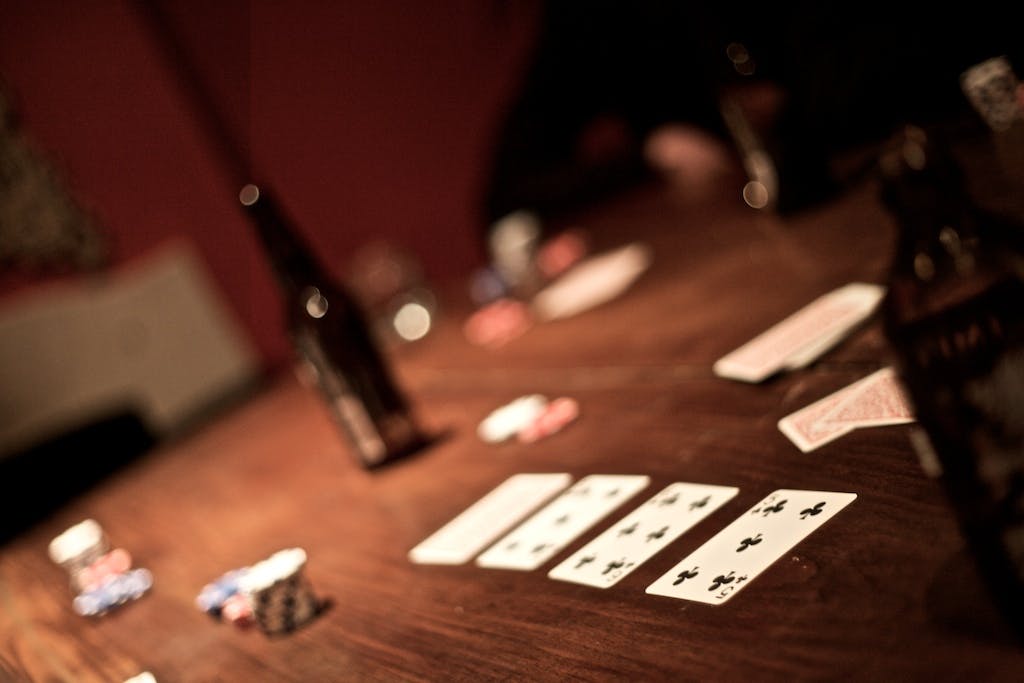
884	592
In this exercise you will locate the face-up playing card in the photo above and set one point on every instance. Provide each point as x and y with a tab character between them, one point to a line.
641	534
875	401
802	337
720	568
539	538
466	535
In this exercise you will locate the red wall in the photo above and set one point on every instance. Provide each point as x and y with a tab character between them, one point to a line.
370	119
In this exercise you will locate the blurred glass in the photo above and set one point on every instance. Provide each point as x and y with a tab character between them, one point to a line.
389	282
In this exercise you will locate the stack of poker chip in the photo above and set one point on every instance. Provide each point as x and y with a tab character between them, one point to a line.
274	593
102	578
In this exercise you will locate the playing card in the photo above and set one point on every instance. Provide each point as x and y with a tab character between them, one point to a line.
813	351
873	401
539	538
805	427
735	556
592	282
641	534
470	532
803	336
880	401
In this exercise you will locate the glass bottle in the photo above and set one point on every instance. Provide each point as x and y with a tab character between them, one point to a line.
954	316
329	331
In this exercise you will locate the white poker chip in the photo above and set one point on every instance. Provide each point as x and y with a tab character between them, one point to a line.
592	282
279	594
277	567
84	538
506	421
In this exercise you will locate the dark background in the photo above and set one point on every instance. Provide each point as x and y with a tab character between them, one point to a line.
371	119
419	122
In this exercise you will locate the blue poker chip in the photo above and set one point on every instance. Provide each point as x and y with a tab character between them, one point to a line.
213	596
115	590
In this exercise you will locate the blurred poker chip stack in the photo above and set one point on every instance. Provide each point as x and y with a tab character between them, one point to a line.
78	547
279	593
101	578
513	244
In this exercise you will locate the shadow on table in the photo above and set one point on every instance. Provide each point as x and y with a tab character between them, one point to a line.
956	601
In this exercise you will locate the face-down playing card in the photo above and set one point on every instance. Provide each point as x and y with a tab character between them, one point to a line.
874	401
720	568
802	337
641	534
548	531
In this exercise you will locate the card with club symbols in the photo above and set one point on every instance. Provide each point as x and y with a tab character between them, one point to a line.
641	534
561	521
723	566
494	514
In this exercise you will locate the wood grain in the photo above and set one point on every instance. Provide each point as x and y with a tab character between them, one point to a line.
884	592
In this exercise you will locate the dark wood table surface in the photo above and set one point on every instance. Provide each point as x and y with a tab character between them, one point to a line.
884	591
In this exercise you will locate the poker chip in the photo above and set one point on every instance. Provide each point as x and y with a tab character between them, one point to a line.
506	421
485	286
561	252
214	596
281	597
553	419
117	561
79	545
498	323
513	243
102	578
237	610
273	593
115	590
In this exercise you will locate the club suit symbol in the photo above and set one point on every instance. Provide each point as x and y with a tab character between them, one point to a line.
699	503
686	574
747	542
626	531
773	509
585	560
616	564
811	511
721	580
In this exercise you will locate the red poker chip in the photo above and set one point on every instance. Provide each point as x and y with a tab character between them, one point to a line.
555	417
498	323
238	611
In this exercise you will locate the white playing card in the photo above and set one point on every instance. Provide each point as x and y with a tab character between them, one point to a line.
803	336
723	566
592	282
874	401
494	514
539	538
641	534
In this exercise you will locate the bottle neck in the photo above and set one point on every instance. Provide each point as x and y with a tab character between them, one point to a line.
291	257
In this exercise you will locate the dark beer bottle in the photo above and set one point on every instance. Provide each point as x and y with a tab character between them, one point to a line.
954	315
329	331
